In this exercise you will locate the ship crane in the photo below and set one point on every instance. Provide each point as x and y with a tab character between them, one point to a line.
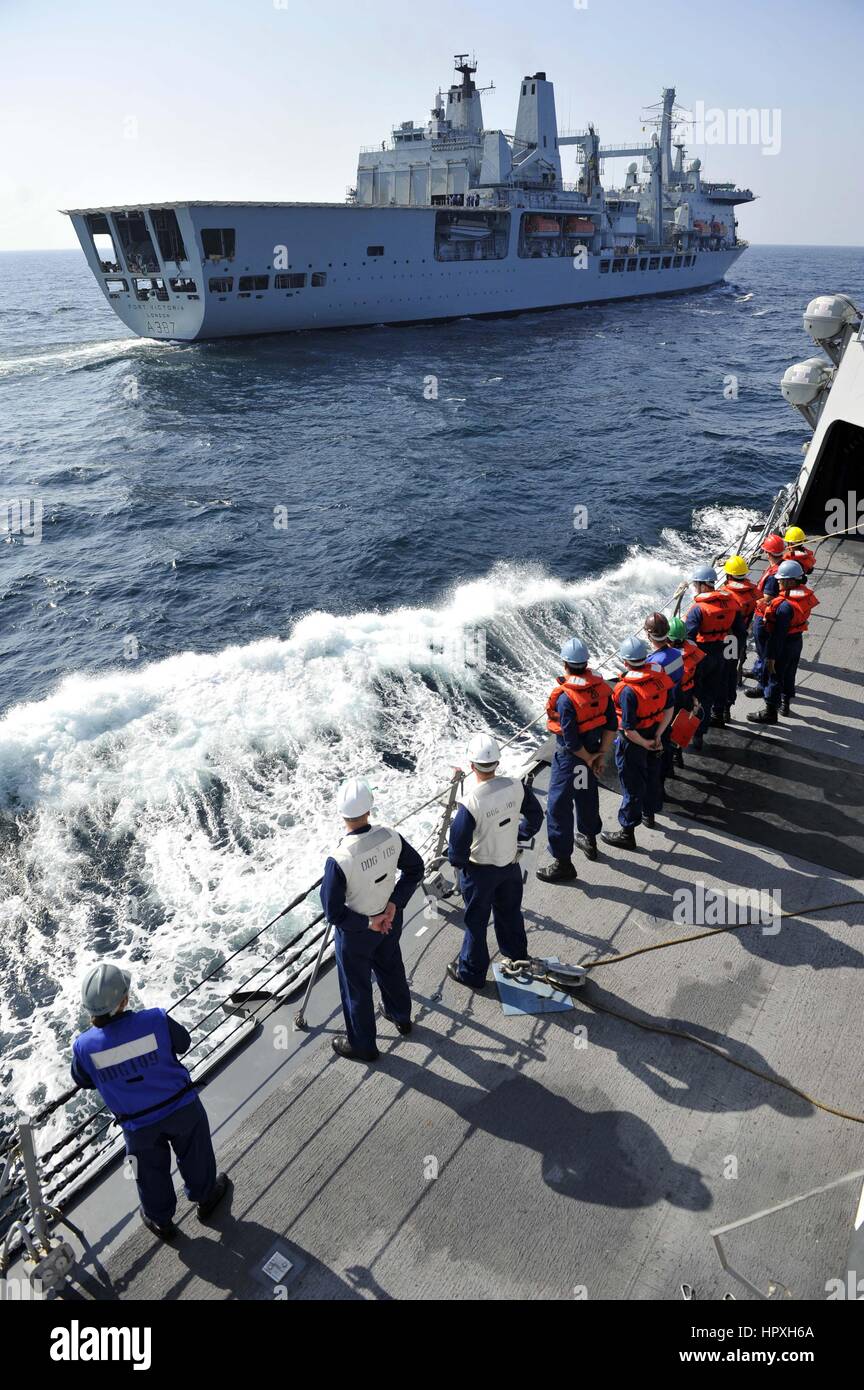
591	152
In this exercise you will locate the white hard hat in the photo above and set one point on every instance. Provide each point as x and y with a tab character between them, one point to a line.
484	751
354	799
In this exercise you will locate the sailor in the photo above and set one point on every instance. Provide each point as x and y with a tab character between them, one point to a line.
131	1058
766	588
797	550
664	656
740	585
363	899
786	619
494	814
685	696
581	713
644	702
714	621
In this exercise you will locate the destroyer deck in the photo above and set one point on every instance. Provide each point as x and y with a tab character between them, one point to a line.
562	1167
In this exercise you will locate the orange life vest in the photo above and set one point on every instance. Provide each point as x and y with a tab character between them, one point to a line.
719	610
744	590
771	570
588	694
692	656
650	688
805	557
801	601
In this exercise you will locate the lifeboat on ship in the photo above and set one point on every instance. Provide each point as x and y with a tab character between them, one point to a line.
542	226
579	226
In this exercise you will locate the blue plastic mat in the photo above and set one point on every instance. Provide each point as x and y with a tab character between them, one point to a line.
534	998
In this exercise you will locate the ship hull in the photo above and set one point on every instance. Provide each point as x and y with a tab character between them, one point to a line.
329	246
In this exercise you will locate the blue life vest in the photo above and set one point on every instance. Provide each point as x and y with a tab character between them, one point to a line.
670	661
134	1067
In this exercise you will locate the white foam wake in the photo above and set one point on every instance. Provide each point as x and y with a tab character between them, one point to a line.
161	814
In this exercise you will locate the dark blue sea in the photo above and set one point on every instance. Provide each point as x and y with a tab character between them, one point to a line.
243	570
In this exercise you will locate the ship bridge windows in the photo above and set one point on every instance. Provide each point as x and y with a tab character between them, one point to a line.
181	284
319	279
667	262
677	262
103	242
655	263
618	264
474	236
167	228
633	264
147	287
218	243
221	285
115	287
246	283
136	242
374	250
289	282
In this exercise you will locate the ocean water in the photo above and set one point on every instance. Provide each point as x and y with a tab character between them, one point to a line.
261	565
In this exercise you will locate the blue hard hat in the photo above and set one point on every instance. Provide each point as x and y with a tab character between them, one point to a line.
574	652
634	649
790	569
703	574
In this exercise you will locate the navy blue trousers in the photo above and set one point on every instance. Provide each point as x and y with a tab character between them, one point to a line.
640	775
490	891
187	1132
711	684
359	956
564	796
760	641
781	682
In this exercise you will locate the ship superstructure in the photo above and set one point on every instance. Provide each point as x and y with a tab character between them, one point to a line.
448	219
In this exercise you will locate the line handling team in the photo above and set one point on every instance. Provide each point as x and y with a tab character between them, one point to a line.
690	667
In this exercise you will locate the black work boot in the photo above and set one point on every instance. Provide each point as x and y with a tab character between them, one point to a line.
343	1048
753	692
559	871
620	839
648	820
588	845
718	719
786	705
768	715
167	1231
220	1187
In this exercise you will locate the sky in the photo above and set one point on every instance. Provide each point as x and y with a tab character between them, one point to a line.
263	100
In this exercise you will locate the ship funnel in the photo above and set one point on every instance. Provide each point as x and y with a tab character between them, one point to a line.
535	141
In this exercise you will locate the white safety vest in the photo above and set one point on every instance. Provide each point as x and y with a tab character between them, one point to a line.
369	863
495	806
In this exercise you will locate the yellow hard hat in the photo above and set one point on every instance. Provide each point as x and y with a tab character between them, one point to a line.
737	566
794	535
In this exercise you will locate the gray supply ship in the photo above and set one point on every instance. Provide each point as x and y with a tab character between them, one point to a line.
449	220
686	1125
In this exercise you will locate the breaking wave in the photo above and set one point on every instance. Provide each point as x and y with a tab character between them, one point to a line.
160	814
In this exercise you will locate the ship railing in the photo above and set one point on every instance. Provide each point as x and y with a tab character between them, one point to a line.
82	1152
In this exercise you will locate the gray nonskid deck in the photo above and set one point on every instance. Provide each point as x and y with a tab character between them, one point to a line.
565	1167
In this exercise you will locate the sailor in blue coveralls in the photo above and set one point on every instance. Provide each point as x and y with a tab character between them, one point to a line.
716	623
363	900
494	814
668	659
644	699
785	625
581	714
130	1058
